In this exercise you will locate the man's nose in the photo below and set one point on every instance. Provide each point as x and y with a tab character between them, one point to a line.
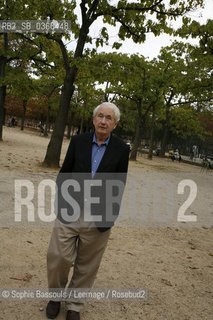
103	120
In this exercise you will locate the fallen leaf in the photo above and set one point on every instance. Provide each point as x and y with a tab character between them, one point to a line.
26	277
16	277
167	282
130	253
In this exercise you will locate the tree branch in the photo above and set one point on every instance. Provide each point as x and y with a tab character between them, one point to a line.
110	10
63	51
91	11
83	11
191	101
127	27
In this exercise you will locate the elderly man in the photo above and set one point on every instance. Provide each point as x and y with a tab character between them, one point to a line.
82	243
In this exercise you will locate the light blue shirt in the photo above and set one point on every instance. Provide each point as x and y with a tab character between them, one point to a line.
97	153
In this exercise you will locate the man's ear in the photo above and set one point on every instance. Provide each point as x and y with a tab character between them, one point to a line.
115	125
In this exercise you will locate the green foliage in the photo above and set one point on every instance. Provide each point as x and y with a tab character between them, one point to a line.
22	85
171	82
185	123
177	76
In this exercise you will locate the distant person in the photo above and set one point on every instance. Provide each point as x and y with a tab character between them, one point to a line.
171	155
158	151
205	164
13	122
176	154
41	127
9	123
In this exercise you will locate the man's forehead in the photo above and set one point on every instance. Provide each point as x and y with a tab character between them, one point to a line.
106	110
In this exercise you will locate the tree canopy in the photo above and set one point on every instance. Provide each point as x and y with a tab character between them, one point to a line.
176	82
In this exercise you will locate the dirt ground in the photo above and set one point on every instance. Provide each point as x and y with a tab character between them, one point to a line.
175	264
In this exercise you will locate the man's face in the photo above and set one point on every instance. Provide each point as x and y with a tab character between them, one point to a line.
104	121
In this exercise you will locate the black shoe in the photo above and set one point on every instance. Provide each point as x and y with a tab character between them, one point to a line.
52	309
73	315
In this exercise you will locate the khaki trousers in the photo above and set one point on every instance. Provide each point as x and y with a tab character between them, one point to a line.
78	244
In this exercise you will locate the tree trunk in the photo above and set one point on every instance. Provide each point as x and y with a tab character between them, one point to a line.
137	141
167	125
3	62
88	126
46	127
52	157
82	123
152	134
165	133
2	109
69	127
138	132
23	114
83	117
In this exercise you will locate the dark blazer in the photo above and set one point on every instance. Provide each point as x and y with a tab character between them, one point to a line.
77	165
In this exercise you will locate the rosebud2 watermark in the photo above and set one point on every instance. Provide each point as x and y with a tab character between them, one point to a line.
74	294
144	200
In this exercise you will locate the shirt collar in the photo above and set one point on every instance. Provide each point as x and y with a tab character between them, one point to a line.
106	142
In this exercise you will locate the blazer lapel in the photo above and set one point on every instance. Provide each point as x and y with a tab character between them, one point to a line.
87	150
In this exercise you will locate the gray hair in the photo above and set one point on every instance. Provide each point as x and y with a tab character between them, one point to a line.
110	105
